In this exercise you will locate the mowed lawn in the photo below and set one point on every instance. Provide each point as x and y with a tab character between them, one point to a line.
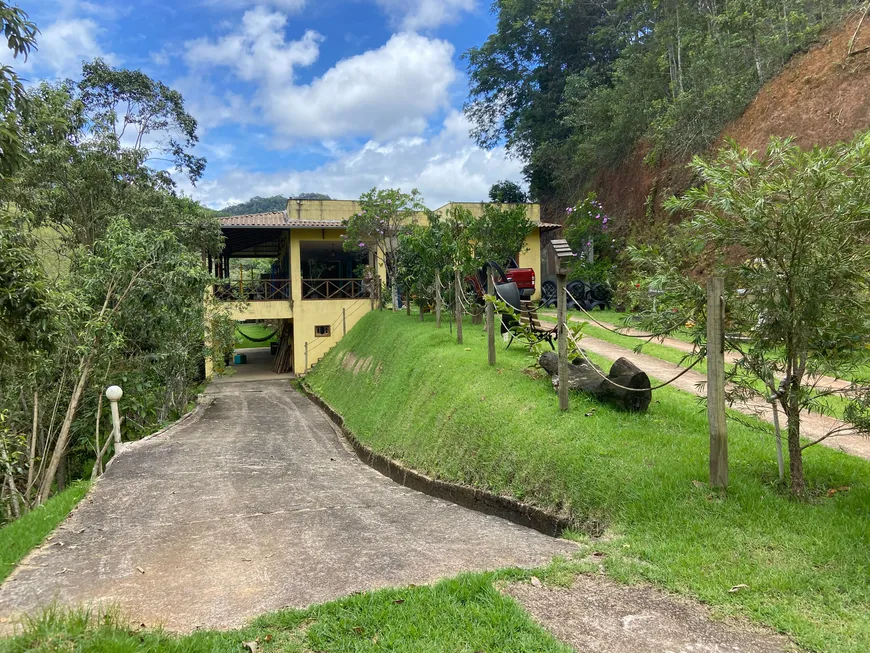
409	391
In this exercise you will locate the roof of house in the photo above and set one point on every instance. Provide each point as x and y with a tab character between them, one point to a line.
279	220
273	219
276	219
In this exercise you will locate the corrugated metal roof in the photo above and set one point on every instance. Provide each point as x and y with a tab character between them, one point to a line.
273	219
547	226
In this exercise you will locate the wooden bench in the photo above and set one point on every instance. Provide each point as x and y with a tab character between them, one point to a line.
524	322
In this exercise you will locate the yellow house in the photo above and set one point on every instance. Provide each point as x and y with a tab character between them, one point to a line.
314	285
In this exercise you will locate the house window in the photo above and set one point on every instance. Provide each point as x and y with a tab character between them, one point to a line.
322	331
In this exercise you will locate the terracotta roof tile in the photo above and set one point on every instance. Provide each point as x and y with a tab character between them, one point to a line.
274	219
315	224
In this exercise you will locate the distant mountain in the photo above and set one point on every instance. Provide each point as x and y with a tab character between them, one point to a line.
267	204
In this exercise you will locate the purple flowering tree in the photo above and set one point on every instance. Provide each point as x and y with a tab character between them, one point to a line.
587	230
376	226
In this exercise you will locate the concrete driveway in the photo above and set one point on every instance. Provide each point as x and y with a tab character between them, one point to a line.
254	505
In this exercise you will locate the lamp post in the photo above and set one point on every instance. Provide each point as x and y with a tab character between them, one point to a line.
114	394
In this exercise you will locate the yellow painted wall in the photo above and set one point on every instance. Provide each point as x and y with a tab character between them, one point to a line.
321	209
273	310
314	312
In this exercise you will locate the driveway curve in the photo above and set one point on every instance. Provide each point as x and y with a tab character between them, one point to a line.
253	505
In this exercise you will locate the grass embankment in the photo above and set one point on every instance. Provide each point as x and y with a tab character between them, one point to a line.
245	332
461	614
408	391
19	537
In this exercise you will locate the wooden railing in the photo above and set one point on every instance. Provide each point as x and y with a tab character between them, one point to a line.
252	290
334	288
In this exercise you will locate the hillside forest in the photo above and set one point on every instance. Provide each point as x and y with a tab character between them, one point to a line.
574	87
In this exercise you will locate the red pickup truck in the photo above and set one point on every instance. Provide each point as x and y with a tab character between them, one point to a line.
523	277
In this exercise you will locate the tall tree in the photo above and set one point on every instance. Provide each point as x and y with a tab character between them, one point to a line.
20	34
507	192
800	223
376	227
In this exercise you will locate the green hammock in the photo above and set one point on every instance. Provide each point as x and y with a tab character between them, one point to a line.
266	339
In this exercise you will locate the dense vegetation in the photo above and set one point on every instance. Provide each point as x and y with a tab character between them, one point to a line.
572	86
638	477
101	273
259	204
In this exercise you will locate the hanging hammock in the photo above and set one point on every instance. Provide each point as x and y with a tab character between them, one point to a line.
266	339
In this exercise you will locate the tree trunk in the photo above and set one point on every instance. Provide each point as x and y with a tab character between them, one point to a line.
795	459
457	281
587	378
63	438
394	292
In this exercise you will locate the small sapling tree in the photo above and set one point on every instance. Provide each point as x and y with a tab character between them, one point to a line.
789	230
376	227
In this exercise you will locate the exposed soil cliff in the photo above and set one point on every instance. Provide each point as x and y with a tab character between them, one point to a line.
821	97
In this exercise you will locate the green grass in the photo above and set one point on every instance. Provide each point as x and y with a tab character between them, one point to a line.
464	614
439	408
254	331
834	405
19	537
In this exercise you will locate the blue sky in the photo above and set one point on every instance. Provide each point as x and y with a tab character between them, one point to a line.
292	96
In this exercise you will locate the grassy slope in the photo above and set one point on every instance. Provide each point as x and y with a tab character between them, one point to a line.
22	535
438	407
463	614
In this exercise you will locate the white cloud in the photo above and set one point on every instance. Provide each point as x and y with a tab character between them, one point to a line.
258	51
63	46
449	166
383	93
415	15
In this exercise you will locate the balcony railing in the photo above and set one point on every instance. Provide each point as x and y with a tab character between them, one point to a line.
334	288
252	290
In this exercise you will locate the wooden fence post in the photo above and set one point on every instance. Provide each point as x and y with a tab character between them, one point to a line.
457	281
716	382
344	322
490	316
306	358
561	311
